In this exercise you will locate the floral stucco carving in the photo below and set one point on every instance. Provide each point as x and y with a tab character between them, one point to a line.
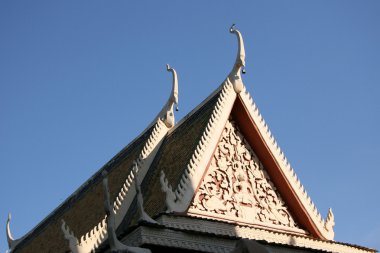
236	185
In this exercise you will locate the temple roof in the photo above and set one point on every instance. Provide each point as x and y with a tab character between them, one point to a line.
219	165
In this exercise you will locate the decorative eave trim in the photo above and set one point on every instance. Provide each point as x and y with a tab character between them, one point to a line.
179	199
325	228
224	229
92	239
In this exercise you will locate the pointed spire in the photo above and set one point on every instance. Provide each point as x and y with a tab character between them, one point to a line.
239	66
173	99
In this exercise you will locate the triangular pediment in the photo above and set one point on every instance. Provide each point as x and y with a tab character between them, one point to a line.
238	173
236	187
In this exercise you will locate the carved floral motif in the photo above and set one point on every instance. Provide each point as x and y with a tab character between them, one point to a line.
237	186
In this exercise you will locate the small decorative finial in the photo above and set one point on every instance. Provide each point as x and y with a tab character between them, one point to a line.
329	223
174	94
167	114
12	243
173	99
239	67
8	230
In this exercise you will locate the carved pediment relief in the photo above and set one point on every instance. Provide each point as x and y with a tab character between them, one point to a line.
236	187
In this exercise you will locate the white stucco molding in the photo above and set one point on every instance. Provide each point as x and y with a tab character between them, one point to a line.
237	188
325	227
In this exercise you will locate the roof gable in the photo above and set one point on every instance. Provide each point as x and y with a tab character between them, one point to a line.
221	159
236	187
239	104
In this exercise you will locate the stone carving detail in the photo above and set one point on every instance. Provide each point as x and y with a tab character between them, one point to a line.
237	186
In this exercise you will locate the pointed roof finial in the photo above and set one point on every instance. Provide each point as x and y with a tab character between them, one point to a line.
235	75
173	99
11	242
167	113
174	94
8	230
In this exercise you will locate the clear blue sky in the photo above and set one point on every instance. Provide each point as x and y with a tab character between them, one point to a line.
80	79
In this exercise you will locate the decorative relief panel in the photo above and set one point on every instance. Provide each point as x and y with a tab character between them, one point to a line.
237	186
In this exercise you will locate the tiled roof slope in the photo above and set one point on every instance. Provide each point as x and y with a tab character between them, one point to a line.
174	155
84	208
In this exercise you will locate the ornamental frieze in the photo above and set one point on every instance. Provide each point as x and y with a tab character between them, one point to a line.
237	187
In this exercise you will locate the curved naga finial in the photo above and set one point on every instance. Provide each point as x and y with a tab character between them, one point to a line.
173	99
12	243
167	114
239	67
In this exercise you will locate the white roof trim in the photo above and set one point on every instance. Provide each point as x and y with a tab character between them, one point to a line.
325	227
